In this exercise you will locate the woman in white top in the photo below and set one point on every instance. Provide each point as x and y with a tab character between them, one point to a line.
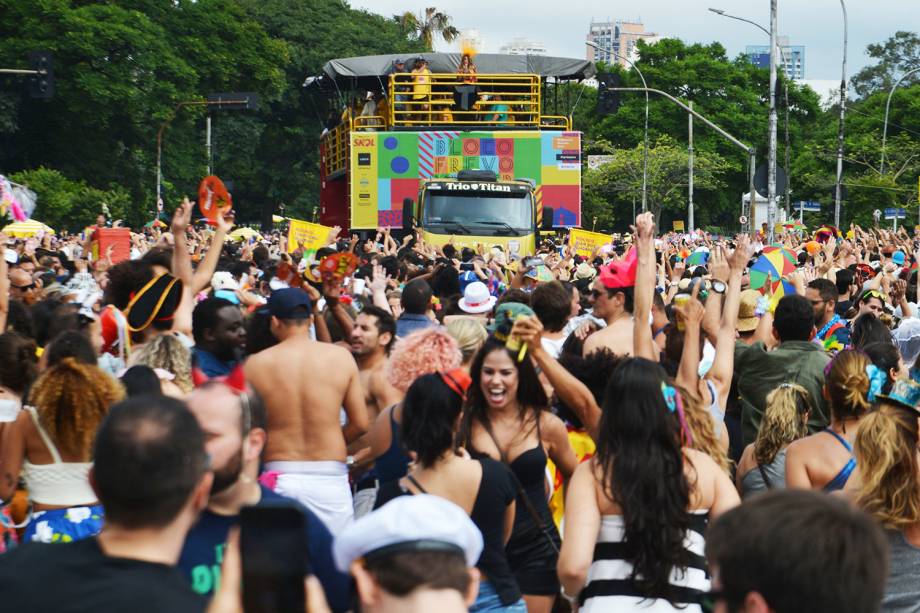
50	446
636	513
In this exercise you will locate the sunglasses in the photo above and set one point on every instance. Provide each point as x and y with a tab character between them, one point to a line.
872	294
24	288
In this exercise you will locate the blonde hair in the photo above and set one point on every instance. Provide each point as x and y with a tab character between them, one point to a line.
71	399
166	351
886	453
847	384
469	333
705	437
784	421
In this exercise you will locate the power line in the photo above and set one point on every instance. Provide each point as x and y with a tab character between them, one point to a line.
881	120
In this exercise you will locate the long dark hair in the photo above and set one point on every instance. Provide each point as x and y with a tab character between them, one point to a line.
430	411
531	397
642	468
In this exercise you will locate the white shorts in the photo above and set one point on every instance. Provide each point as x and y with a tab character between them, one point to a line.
322	487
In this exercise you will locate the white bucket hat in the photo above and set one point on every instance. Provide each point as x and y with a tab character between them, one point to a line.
476	299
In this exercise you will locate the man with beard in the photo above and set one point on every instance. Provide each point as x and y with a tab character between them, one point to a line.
220	336
233	421
832	330
371	339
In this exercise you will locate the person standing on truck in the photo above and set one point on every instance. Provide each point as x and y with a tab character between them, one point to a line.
421	87
399	89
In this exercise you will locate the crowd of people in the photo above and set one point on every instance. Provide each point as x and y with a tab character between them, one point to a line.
653	426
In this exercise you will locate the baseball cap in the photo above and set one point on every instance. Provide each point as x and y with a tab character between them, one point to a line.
898	257
420	523
286	303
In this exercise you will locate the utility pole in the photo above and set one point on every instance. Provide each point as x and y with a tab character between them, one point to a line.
771	153
207	140
838	195
690	156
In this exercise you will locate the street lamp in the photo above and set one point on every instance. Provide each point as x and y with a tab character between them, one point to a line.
843	107
645	138
887	107
786	62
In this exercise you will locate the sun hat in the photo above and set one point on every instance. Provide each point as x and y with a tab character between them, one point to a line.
747	320
476	299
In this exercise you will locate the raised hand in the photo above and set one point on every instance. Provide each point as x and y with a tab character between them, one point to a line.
718	264
528	330
182	217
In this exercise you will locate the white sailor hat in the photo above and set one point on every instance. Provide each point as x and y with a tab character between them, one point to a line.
409	523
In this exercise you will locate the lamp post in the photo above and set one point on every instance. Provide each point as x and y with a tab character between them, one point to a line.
645	137
887	107
838	195
786	61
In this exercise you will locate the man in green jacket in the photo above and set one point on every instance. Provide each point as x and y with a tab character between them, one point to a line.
796	360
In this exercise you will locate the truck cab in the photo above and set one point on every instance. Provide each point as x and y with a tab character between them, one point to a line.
475	207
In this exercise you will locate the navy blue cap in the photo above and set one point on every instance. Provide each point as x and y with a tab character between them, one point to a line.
284	304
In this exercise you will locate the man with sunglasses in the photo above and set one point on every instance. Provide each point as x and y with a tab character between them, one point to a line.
23	287
833	332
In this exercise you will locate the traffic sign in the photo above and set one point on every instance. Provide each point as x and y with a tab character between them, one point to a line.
808	205
760	180
895	213
742	220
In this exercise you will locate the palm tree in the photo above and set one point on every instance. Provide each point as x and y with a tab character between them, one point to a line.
426	25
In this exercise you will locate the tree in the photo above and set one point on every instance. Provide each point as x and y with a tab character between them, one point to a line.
426	25
609	190
894	57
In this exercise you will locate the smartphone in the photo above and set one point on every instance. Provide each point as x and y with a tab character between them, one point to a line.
532	261
273	545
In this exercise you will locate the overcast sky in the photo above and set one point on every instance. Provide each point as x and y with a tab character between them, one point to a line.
562	25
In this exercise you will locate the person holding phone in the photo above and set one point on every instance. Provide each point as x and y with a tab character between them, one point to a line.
234	423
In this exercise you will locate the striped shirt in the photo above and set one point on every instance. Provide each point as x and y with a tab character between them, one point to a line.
609	587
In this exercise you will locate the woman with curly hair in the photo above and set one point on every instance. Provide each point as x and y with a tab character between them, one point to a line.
889	487
170	359
636	513
420	353
763	462
50	444
824	460
18	369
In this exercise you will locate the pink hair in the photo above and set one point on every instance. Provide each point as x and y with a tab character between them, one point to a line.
423	352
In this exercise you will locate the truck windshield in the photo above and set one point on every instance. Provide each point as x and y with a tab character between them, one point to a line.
491	214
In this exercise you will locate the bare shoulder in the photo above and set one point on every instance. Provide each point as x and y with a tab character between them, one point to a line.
551	424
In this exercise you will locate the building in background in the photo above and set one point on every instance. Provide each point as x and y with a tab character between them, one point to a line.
791	60
523	46
617	39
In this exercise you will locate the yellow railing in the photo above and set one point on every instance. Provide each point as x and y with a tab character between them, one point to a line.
491	100
335	147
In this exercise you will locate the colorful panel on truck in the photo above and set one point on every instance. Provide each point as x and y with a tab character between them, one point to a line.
386	168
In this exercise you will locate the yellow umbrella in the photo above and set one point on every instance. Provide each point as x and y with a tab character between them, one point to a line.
27	228
244	233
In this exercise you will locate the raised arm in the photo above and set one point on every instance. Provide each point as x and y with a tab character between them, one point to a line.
724	363
568	388
4	284
205	270
643	343
691	315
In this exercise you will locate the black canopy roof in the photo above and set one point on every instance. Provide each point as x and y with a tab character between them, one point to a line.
369	71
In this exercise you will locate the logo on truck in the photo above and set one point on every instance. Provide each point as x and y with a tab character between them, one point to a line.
479	187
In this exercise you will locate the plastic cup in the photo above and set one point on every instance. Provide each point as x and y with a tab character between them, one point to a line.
680	300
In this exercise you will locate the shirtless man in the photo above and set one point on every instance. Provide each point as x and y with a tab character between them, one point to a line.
371	338
304	384
612	301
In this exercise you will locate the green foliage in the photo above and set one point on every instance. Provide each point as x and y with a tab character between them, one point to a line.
610	190
65	204
897	55
122	68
